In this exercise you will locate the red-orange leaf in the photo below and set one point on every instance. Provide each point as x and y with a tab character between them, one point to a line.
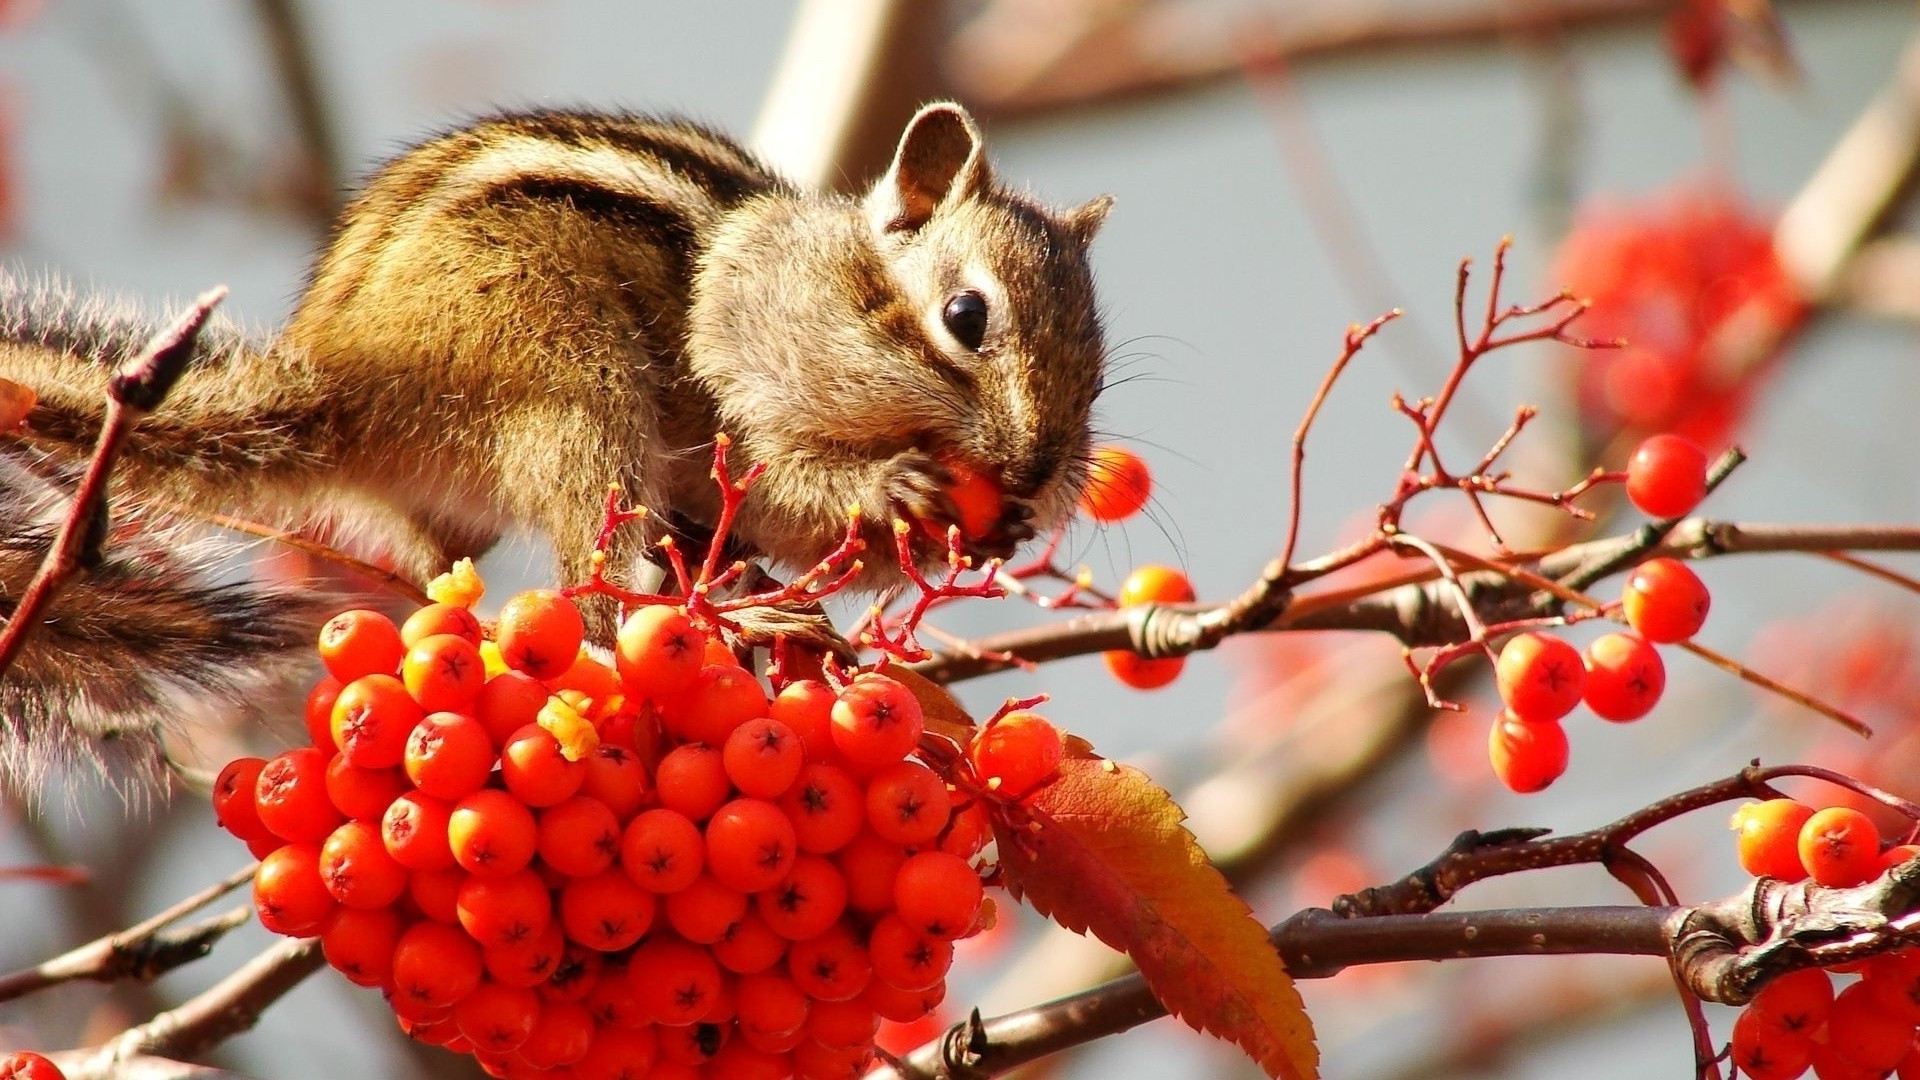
1102	849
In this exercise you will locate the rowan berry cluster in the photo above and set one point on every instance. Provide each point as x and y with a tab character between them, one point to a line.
1620	675
1798	1021
651	868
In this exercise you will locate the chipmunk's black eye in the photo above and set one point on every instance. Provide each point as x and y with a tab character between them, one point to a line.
965	317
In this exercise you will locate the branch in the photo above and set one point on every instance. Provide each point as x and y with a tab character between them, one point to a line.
230	1006
140	951
135	390
1008	67
1413	611
1722	951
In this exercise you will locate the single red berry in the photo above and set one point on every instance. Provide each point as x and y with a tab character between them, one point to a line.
1540	677
1840	847
1769	837
1764	1052
360	642
1665	601
1118	484
876	722
1527	756
1143	673
1667	476
1153	584
1019	750
1625	677
539	632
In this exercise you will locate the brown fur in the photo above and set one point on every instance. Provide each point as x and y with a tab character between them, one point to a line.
516	314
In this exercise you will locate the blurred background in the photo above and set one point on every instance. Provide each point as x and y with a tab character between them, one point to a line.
1281	169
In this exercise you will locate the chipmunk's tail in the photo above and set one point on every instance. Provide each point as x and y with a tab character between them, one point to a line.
159	632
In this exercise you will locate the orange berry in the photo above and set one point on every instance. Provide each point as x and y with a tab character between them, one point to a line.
808	901
578	837
448	755
1862	1032
619	1053
606	912
1667	476
618	778
1763	1053
444	673
870	864
356	868
495	1018
806	706
749	945
1020	750
827	808
530	962
290	796
319	714
27	1065
1625	677
662	850
1769	837
1153	584
535	769
539	632
360	642
906	958
508	702
976	496
832	967
1540	677
1118	484
762	757
937	894
1527	756
414	830
1143	673
288	893
674	982
659	650
721	698
705	910
693	780
908	804
503	911
440	619
372	718
750	845
876	722
561	1035
492	833
235	794
358	943
434	965
1840	847
1665	601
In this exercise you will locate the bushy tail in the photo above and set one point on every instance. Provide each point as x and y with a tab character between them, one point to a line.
145	640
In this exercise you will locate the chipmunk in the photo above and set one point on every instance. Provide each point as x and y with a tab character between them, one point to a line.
516	314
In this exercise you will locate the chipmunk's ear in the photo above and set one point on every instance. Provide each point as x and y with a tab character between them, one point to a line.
1084	220
940	161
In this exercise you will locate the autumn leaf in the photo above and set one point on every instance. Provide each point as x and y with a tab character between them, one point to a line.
1102	849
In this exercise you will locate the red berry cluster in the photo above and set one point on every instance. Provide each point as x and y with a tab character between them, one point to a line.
1675	275
1798	1021
1620	676
574	870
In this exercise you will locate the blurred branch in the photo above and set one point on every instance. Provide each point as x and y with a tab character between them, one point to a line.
852	73
140	951
229	1007
319	184
997	64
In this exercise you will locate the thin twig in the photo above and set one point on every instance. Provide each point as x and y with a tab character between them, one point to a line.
135	952
135	390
